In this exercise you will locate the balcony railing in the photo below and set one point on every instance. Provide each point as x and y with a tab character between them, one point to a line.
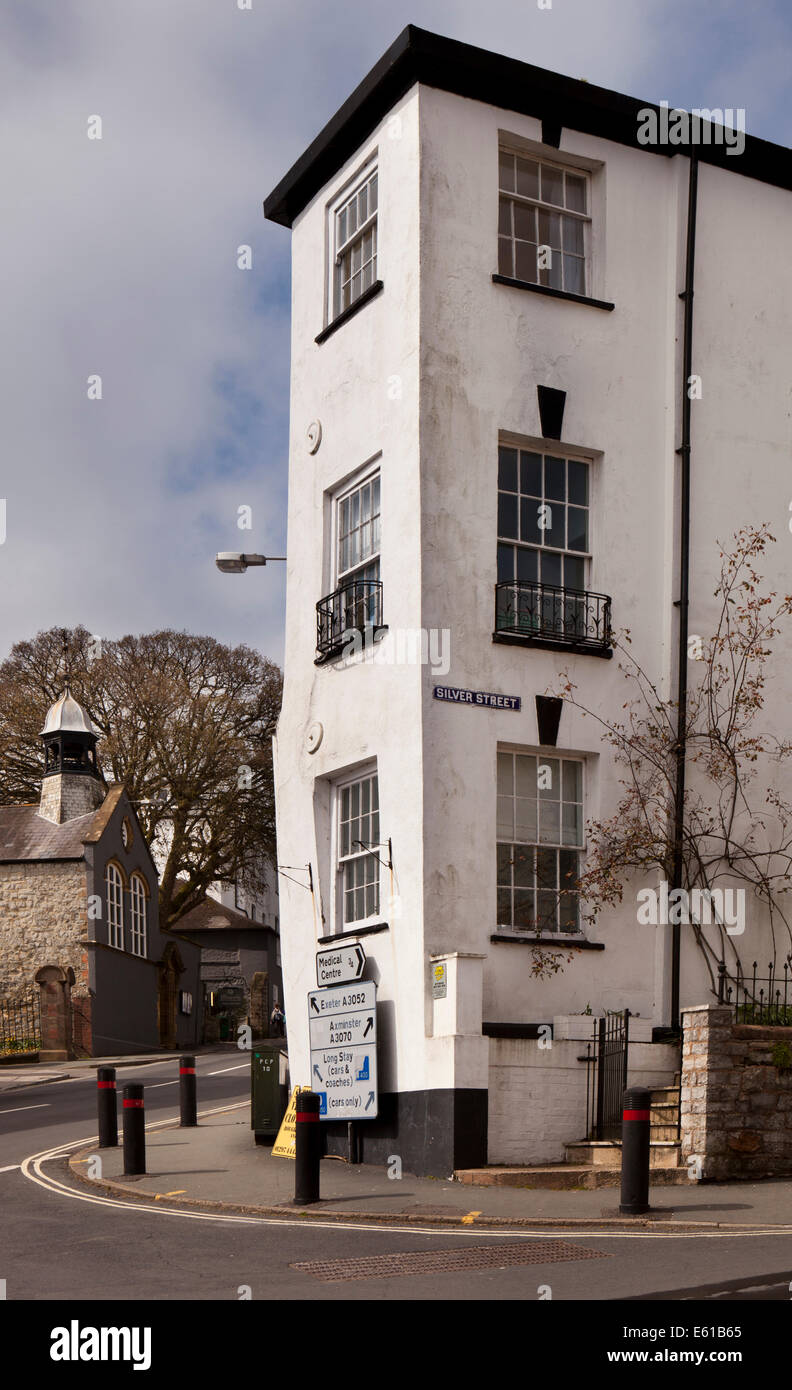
548	613
355	607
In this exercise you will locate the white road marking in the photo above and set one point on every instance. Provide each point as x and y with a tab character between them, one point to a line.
44	1106
160	1084
10	1167
31	1168
222	1072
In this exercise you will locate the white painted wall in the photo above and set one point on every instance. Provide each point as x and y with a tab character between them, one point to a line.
469	354
537	1096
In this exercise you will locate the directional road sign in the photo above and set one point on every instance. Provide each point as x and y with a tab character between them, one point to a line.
341	964
343	1031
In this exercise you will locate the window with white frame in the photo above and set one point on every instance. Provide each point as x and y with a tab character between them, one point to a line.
543	541
358	865
539	842
543	222
114	894
358	552
139	906
358	530
355	244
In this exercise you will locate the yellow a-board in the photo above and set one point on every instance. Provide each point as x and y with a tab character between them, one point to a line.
285	1144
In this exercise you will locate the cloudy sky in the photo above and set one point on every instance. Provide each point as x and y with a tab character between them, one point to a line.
119	258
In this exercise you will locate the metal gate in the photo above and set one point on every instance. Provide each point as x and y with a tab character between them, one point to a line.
20	1023
606	1076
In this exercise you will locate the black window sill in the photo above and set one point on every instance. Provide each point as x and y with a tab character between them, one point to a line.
349	313
528	939
361	931
519	639
548	290
345	649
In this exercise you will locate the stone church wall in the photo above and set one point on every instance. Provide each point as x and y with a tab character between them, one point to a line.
43	921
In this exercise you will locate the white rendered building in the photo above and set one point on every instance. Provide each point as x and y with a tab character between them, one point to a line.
449	380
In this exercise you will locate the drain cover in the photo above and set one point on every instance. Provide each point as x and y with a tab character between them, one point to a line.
517	1252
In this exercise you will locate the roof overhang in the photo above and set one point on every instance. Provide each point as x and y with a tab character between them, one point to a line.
419	56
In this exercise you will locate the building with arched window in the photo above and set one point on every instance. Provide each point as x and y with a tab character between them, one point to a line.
78	891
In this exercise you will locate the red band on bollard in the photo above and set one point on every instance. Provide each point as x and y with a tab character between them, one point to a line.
307	1115
636	1115
106	1085
186	1071
133	1105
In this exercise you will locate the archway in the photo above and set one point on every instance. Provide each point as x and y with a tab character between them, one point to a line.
170	968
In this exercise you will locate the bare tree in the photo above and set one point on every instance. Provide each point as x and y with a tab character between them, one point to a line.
186	725
731	765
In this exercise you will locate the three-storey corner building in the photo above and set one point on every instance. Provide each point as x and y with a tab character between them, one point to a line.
487	409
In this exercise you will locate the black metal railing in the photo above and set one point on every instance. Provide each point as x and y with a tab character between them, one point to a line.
606	1076
758	998
547	612
355	607
20	1024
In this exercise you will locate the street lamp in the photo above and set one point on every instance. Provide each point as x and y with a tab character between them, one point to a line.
232	562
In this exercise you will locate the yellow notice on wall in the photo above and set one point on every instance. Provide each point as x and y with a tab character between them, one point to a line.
285	1144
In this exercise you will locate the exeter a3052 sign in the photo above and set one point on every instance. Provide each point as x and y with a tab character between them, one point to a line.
484	698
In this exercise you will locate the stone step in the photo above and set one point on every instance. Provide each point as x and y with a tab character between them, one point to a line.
603	1153
663	1134
563	1177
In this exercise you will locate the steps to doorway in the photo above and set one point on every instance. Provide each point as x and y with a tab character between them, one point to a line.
591	1163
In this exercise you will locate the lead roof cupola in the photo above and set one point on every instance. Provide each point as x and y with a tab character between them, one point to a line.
69	738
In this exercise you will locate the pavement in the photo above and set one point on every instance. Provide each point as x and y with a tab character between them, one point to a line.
217	1166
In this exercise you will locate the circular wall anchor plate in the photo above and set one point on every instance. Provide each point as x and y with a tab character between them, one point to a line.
314	435
314	737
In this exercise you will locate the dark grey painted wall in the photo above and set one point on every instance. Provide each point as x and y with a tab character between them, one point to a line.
124	986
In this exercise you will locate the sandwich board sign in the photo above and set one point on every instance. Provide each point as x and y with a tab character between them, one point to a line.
285	1145
343	1035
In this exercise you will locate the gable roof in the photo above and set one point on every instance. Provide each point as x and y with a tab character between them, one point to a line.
25	835
508	83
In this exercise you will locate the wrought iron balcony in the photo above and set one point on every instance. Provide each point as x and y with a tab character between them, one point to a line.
548	615
355	607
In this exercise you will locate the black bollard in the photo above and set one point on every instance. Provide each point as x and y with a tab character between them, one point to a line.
188	1113
635	1152
107	1102
307	1149
134	1130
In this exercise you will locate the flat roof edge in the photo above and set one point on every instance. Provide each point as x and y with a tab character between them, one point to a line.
418	56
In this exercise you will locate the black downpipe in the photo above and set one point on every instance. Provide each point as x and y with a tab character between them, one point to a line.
684	586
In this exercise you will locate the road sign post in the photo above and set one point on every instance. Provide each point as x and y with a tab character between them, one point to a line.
343	1035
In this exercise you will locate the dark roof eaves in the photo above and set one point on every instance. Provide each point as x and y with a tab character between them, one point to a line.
420	56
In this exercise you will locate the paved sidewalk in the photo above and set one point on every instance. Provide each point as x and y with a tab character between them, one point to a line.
218	1163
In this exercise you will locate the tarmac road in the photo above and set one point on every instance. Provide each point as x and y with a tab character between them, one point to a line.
68	1244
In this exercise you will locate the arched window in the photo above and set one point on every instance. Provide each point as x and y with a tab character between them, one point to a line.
138	900
114	890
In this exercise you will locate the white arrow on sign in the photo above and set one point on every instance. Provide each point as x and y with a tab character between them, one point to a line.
340	965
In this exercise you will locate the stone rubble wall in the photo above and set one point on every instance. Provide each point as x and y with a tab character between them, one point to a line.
43	920
736	1097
